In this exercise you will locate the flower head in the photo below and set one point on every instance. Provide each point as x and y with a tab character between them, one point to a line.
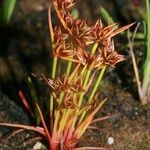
79	30
64	4
63	84
109	55
103	35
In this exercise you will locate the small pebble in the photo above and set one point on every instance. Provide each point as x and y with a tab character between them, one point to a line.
110	140
37	146
136	108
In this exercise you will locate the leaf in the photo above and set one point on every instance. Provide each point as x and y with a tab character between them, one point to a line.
27	127
106	16
25	102
84	125
8	9
102	118
43	123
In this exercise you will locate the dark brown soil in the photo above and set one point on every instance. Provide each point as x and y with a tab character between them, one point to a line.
130	128
10	112
25	49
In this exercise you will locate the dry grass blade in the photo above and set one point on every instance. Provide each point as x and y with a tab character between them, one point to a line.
121	30
103	118
136	71
43	122
14	133
25	102
111	28
32	140
94	128
27	127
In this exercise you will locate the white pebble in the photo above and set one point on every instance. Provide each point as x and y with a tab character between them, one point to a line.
110	140
37	146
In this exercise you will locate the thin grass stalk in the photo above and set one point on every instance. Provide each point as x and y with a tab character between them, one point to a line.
89	71
26	103
84	125
51	103
43	123
87	75
69	65
72	75
98	81
136	71
56	122
26	127
54	67
148	28
68	68
57	115
146	72
63	121
95	46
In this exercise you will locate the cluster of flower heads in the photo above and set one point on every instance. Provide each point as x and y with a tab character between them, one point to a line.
63	84
72	40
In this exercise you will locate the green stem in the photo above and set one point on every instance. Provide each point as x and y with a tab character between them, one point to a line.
54	67
84	85
58	112
94	48
97	83
63	120
87	75
89	71
94	91
51	102
60	99
148	29
146	75
56	122
68	68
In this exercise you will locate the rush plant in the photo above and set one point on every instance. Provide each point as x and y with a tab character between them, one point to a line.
81	54
144	82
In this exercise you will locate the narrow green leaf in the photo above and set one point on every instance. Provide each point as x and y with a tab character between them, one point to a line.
8	9
106	17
